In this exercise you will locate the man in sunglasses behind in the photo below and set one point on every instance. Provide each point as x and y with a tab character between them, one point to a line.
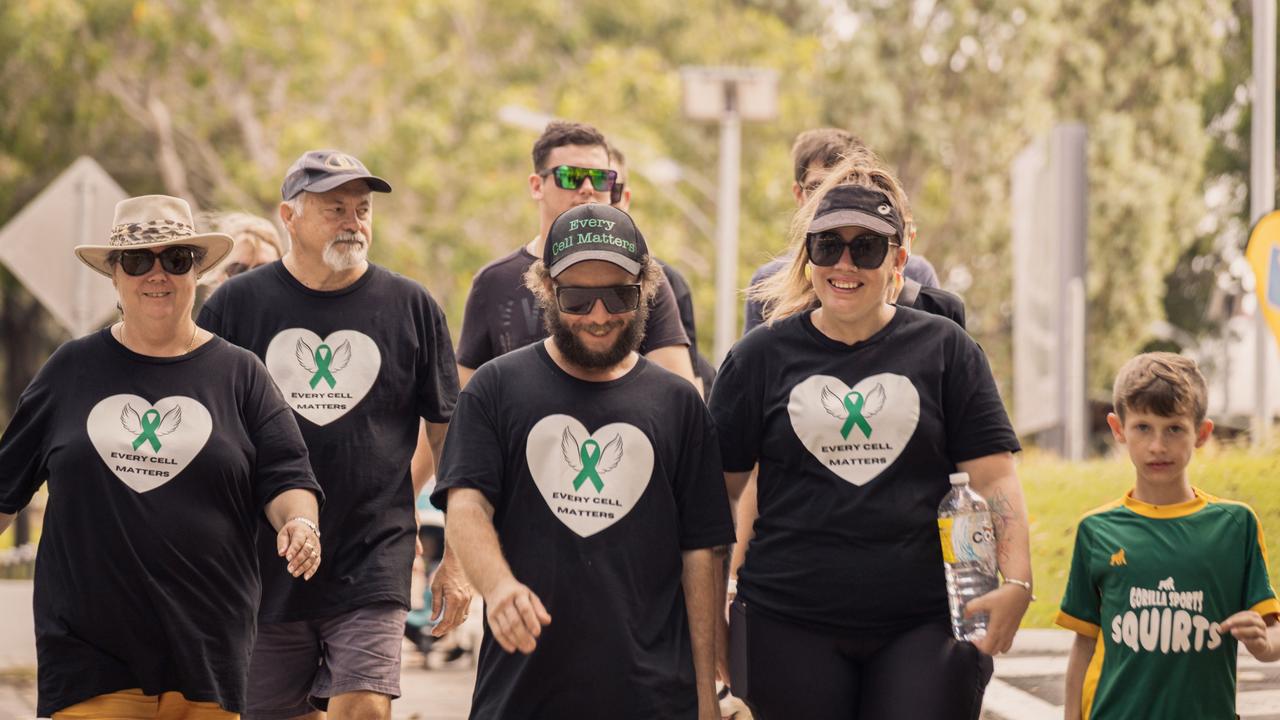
584	498
570	168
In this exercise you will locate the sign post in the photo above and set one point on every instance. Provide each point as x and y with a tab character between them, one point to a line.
1049	231
1262	196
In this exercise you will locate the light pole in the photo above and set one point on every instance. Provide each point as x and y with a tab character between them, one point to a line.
728	95
1262	186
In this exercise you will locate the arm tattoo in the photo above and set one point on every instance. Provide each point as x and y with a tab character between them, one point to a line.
1004	517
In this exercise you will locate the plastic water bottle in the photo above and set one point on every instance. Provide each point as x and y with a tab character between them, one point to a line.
968	554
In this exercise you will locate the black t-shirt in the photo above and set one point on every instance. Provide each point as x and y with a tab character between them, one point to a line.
158	472
684	303
597	488
931	298
855	445
358	366
502	314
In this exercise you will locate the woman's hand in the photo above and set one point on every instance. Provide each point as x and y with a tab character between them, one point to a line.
299	545
1006	605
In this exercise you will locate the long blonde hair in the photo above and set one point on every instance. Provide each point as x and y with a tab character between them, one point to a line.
790	290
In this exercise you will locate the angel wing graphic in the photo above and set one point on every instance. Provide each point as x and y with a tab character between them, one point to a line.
305	355
872	404
170	421
341	357
611	455
569	449
130	421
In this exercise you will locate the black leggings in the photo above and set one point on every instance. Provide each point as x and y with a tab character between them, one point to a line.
788	672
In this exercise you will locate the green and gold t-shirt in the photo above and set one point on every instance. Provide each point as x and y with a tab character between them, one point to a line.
1152	583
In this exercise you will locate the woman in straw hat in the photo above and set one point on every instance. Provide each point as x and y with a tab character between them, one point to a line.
856	411
164	448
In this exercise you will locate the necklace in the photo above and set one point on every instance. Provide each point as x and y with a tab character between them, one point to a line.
117	331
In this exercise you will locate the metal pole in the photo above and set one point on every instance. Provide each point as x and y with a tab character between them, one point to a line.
1262	185
727	300
80	309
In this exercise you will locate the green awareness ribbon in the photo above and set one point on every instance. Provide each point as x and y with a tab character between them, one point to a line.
853	402
323	357
150	423
590	454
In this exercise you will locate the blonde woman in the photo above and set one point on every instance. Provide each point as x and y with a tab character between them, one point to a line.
856	411
256	242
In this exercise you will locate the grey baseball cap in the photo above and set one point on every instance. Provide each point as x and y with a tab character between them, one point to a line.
594	232
857	206
318	171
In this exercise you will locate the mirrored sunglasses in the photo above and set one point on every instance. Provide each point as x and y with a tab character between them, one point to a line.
570	177
867	250
580	300
176	260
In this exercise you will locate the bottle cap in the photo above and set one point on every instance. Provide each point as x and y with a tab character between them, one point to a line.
959	478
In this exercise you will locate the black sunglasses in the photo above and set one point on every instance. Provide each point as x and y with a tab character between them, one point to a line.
570	177
867	250
615	194
580	300
177	260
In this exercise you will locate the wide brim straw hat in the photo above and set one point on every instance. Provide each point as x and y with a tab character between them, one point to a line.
151	221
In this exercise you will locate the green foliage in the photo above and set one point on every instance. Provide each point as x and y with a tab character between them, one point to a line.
211	100
1059	493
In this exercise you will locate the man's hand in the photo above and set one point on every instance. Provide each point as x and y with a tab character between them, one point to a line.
516	616
450	593
1257	634
299	545
1006	604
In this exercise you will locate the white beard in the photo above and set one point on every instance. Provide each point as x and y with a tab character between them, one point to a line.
340	256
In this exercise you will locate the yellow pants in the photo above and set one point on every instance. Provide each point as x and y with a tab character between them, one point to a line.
133	705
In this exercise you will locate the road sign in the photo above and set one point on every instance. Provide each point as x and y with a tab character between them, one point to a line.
1264	257
37	245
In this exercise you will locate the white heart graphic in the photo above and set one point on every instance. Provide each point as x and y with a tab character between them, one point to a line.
323	379
148	445
561	453
889	408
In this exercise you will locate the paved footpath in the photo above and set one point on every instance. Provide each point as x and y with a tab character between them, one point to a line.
1027	683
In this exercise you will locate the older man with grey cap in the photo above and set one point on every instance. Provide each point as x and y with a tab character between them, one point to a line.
360	354
583	484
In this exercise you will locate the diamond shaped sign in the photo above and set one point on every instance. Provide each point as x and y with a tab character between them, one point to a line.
38	245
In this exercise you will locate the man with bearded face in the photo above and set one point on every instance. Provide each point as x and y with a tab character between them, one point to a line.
360	355
580	484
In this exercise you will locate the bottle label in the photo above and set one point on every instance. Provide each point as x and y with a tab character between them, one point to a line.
944	532
969	538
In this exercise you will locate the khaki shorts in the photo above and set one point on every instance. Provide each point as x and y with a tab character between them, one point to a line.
133	705
297	666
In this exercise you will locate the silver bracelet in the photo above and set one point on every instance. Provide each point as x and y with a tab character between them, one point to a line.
1022	584
305	521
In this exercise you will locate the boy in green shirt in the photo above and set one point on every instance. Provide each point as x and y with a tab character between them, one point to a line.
1166	580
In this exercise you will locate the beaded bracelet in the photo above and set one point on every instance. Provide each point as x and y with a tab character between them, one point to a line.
305	521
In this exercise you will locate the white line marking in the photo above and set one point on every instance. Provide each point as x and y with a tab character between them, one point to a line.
1014	704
